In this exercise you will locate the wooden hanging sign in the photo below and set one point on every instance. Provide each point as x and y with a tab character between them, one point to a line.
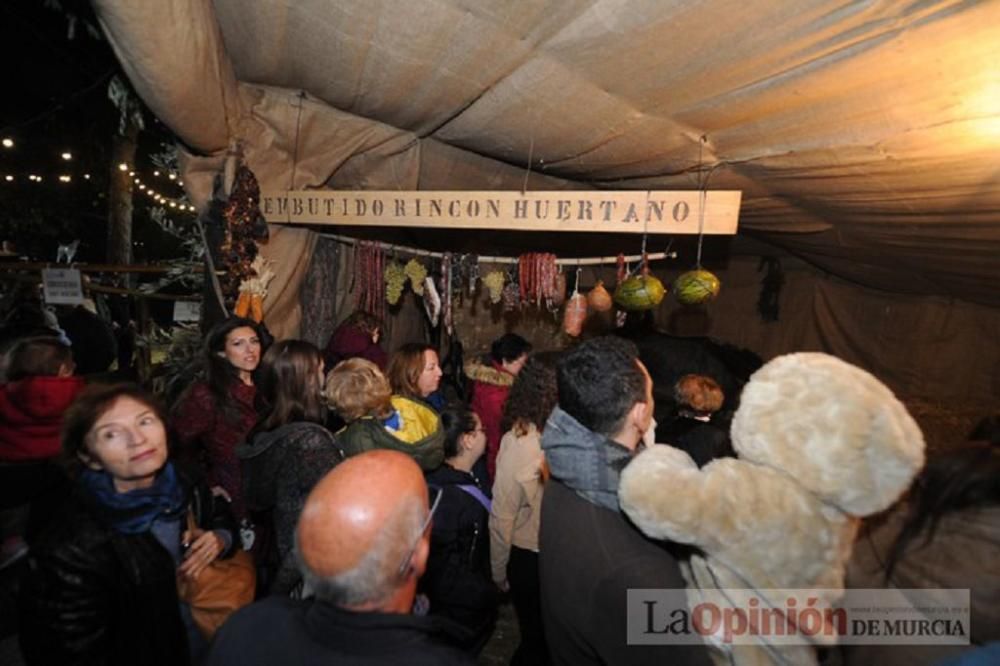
655	212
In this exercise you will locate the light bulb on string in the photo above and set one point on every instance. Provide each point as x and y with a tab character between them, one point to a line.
171	176
156	173
9	179
67	156
123	167
64	179
8	142
86	176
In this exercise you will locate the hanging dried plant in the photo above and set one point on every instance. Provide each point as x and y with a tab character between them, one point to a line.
494	281
395	281
417	273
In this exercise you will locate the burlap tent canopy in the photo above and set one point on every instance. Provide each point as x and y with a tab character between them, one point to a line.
863	136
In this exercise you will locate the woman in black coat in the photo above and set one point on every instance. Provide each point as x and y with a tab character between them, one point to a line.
457	580
102	580
288	451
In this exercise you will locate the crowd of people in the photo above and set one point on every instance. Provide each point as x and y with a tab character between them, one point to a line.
387	518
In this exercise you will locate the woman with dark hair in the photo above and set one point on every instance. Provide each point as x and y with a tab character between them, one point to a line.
491	381
415	373
457	580
102	582
215	415
289	450
517	500
946	534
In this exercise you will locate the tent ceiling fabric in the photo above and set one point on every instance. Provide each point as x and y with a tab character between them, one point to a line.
863	135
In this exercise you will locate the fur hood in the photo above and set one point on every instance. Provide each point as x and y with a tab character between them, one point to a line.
491	374
834	428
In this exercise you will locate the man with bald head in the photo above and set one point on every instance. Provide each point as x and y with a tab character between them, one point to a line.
362	543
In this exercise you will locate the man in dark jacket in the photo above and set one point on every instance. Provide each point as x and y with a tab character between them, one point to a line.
362	546
589	554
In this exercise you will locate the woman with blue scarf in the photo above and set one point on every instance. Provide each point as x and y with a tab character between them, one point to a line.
102	585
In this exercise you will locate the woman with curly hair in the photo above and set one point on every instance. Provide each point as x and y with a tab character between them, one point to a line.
378	419
517	500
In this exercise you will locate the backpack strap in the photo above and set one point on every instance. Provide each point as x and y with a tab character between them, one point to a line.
477	495
468	489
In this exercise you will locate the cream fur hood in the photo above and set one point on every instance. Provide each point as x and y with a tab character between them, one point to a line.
488	374
834	428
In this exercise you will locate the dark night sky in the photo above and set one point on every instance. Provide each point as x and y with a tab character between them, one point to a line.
55	95
54	100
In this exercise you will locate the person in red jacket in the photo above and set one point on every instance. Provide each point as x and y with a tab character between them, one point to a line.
491	382
357	336
40	387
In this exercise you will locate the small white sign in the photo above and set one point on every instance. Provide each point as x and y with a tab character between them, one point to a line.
187	311
62	286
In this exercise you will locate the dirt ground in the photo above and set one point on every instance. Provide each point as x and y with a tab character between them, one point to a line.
504	640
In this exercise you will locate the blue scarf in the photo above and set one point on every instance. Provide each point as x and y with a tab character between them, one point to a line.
588	463
134	512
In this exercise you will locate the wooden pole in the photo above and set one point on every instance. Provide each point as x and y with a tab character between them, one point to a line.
123	148
143	354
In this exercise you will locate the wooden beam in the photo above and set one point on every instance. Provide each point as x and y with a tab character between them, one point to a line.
15	266
93	286
654	212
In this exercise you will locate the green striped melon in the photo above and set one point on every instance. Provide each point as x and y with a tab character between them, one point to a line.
640	292
696	287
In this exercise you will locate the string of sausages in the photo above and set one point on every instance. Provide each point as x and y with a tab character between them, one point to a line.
369	270
538	278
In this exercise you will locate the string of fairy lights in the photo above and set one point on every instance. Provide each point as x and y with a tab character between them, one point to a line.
150	189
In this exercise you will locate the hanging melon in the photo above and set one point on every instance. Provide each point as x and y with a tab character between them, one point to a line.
640	292
696	287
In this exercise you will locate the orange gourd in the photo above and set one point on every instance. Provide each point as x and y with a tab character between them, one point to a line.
599	299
